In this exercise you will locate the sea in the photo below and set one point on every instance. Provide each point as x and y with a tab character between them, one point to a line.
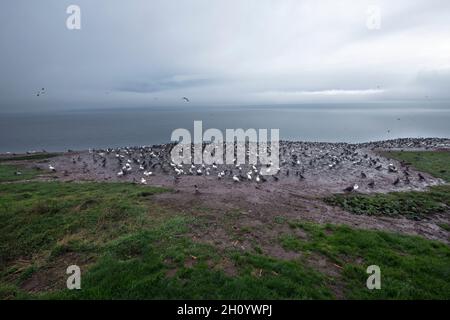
61	130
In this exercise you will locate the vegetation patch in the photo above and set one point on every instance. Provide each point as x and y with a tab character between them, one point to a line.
35	156
436	163
129	247
412	205
411	267
12	172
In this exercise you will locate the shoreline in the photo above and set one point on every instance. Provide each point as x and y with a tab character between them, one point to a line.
437	142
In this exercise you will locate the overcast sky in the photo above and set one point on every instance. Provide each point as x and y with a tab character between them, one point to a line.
221	52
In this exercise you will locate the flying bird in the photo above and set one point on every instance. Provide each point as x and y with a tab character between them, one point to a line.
185	99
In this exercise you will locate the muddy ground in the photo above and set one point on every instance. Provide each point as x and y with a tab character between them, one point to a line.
308	172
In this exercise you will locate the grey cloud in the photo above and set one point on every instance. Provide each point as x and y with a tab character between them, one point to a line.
220	52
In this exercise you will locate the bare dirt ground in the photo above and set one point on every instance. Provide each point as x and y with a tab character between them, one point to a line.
307	173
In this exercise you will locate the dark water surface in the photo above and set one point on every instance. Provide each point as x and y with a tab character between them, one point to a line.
58	131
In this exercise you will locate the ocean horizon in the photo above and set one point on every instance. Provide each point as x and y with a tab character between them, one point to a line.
114	127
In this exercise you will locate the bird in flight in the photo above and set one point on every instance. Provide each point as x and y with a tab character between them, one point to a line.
185	99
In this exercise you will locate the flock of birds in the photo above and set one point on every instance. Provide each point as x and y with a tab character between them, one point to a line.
40	92
297	161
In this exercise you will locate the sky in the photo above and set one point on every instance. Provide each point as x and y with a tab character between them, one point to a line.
222	52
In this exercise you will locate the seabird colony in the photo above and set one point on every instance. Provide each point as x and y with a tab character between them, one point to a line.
297	161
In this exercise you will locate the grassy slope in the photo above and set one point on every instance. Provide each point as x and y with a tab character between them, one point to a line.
411	267
435	163
128	247
7	173
413	205
133	243
36	156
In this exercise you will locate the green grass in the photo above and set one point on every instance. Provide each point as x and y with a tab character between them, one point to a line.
35	216
36	156
128	247
412	205
7	173
134	244
433	162
136	267
411	267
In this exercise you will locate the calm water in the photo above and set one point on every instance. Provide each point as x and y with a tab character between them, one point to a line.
58	131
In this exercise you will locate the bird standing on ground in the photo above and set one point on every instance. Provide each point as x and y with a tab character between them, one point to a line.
352	188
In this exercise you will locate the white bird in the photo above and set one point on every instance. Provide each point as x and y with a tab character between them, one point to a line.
147	173
235	179
52	168
143	181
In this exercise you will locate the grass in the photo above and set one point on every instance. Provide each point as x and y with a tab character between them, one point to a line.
135	249
8	173
413	205
128	247
436	163
36	156
37	216
411	267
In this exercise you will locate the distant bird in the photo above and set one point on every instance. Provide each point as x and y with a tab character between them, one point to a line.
143	181
235	178
392	168
421	177
51	168
185	99
396	182
17	173
371	184
352	188
363	175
